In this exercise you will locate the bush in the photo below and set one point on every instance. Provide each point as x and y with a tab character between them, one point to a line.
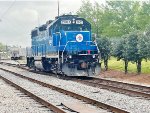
104	45
133	47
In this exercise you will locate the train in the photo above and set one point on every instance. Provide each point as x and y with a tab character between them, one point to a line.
64	46
17	53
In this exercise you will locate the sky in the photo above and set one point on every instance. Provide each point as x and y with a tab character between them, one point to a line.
19	17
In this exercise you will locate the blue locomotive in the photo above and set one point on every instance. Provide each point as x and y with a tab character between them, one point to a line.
64	45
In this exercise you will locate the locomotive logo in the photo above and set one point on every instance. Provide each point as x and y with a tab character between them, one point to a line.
79	38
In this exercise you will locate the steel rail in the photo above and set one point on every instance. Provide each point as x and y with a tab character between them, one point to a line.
120	83
72	94
38	99
128	87
116	89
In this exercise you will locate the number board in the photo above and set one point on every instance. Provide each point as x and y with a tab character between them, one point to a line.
69	22
65	22
79	22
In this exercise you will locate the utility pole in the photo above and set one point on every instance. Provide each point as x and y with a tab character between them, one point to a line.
58	6
38	19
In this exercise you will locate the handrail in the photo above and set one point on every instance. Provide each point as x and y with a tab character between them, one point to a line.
65	48
97	47
59	46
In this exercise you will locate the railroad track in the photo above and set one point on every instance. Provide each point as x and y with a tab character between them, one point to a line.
119	87
33	96
69	93
116	86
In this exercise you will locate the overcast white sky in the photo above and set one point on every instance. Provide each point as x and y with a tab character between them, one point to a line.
17	20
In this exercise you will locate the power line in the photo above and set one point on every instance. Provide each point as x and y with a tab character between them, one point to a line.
7	10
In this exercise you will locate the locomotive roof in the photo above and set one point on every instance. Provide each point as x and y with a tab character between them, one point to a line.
62	16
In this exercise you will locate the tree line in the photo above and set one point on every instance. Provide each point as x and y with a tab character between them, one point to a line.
133	47
2	47
122	28
116	18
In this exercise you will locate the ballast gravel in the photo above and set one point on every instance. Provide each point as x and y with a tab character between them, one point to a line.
13	101
45	93
128	103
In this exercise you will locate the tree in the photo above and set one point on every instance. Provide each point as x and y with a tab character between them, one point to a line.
2	47
142	18
137	48
104	45
122	22
120	52
147	33
143	50
92	14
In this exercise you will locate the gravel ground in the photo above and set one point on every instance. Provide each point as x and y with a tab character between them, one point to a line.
9	61
47	94
131	104
11	101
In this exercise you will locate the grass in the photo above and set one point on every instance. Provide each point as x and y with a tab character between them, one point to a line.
119	65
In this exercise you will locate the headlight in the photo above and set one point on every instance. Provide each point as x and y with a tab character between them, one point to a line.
93	56
70	56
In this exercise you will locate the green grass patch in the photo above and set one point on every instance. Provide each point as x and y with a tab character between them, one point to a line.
119	65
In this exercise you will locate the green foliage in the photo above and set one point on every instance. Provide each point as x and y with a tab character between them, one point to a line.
104	45
148	40
133	47
147	33
120	51
2	47
143	46
117	18
92	14
138	46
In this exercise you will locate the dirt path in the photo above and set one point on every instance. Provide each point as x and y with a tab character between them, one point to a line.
130	77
